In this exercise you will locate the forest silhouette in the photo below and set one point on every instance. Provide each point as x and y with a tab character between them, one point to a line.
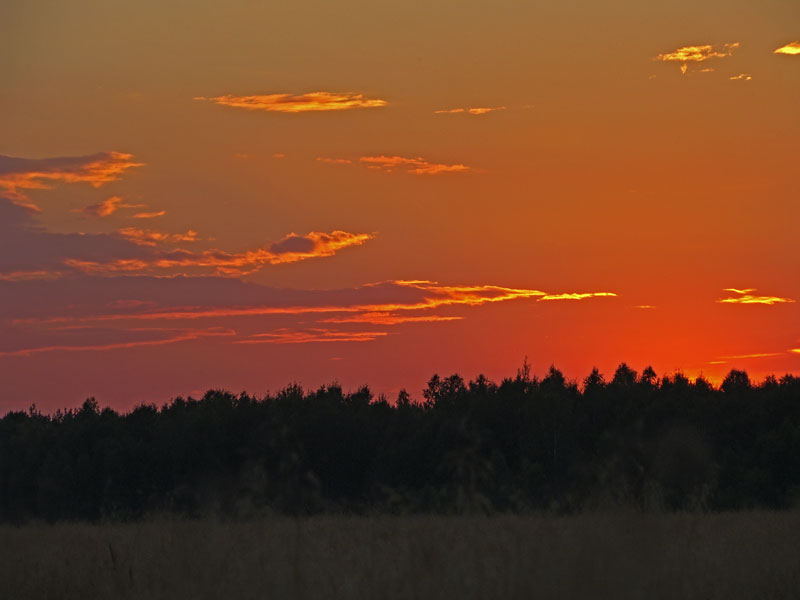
525	444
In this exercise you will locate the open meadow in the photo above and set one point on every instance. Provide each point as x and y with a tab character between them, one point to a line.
603	555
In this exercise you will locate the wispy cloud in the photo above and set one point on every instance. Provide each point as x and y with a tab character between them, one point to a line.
334	161
388	318
746	296
289	103
417	166
83	310
313	335
314	244
108	207
741	77
753	355
292	248
699	53
726	359
18	175
577	296
149	215
174	337
791	49
31	252
476	111
149	237
381	297
30	275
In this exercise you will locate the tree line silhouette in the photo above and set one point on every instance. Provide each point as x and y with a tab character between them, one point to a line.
526	444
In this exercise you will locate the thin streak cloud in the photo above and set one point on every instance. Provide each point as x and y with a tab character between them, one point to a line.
149	215
726	359
417	166
29	275
308	336
745	296
184	336
387	318
400	295
574	296
334	161
294	316
475	111
289	103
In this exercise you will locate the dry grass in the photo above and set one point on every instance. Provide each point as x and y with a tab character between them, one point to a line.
730	556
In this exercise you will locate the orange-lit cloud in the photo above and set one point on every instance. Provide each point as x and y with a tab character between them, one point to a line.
108	207
189	236
383	297
700	53
745	296
29	275
741	77
295	316
289	103
795	350
791	49
725	359
307	336
477	111
334	161
145	237
388	318
292	248
149	215
574	296
20	174
149	237
178	336
418	166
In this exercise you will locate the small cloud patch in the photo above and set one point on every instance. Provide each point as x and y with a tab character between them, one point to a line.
746	296
299	103
790	49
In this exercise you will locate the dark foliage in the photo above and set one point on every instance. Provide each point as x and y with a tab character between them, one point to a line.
525	444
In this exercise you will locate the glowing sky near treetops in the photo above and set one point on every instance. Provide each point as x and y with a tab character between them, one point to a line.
278	192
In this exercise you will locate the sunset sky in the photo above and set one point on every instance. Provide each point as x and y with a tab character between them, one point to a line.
244	194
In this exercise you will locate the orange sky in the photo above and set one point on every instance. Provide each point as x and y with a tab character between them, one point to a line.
247	194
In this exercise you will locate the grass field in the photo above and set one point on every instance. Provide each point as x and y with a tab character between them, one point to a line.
730	556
